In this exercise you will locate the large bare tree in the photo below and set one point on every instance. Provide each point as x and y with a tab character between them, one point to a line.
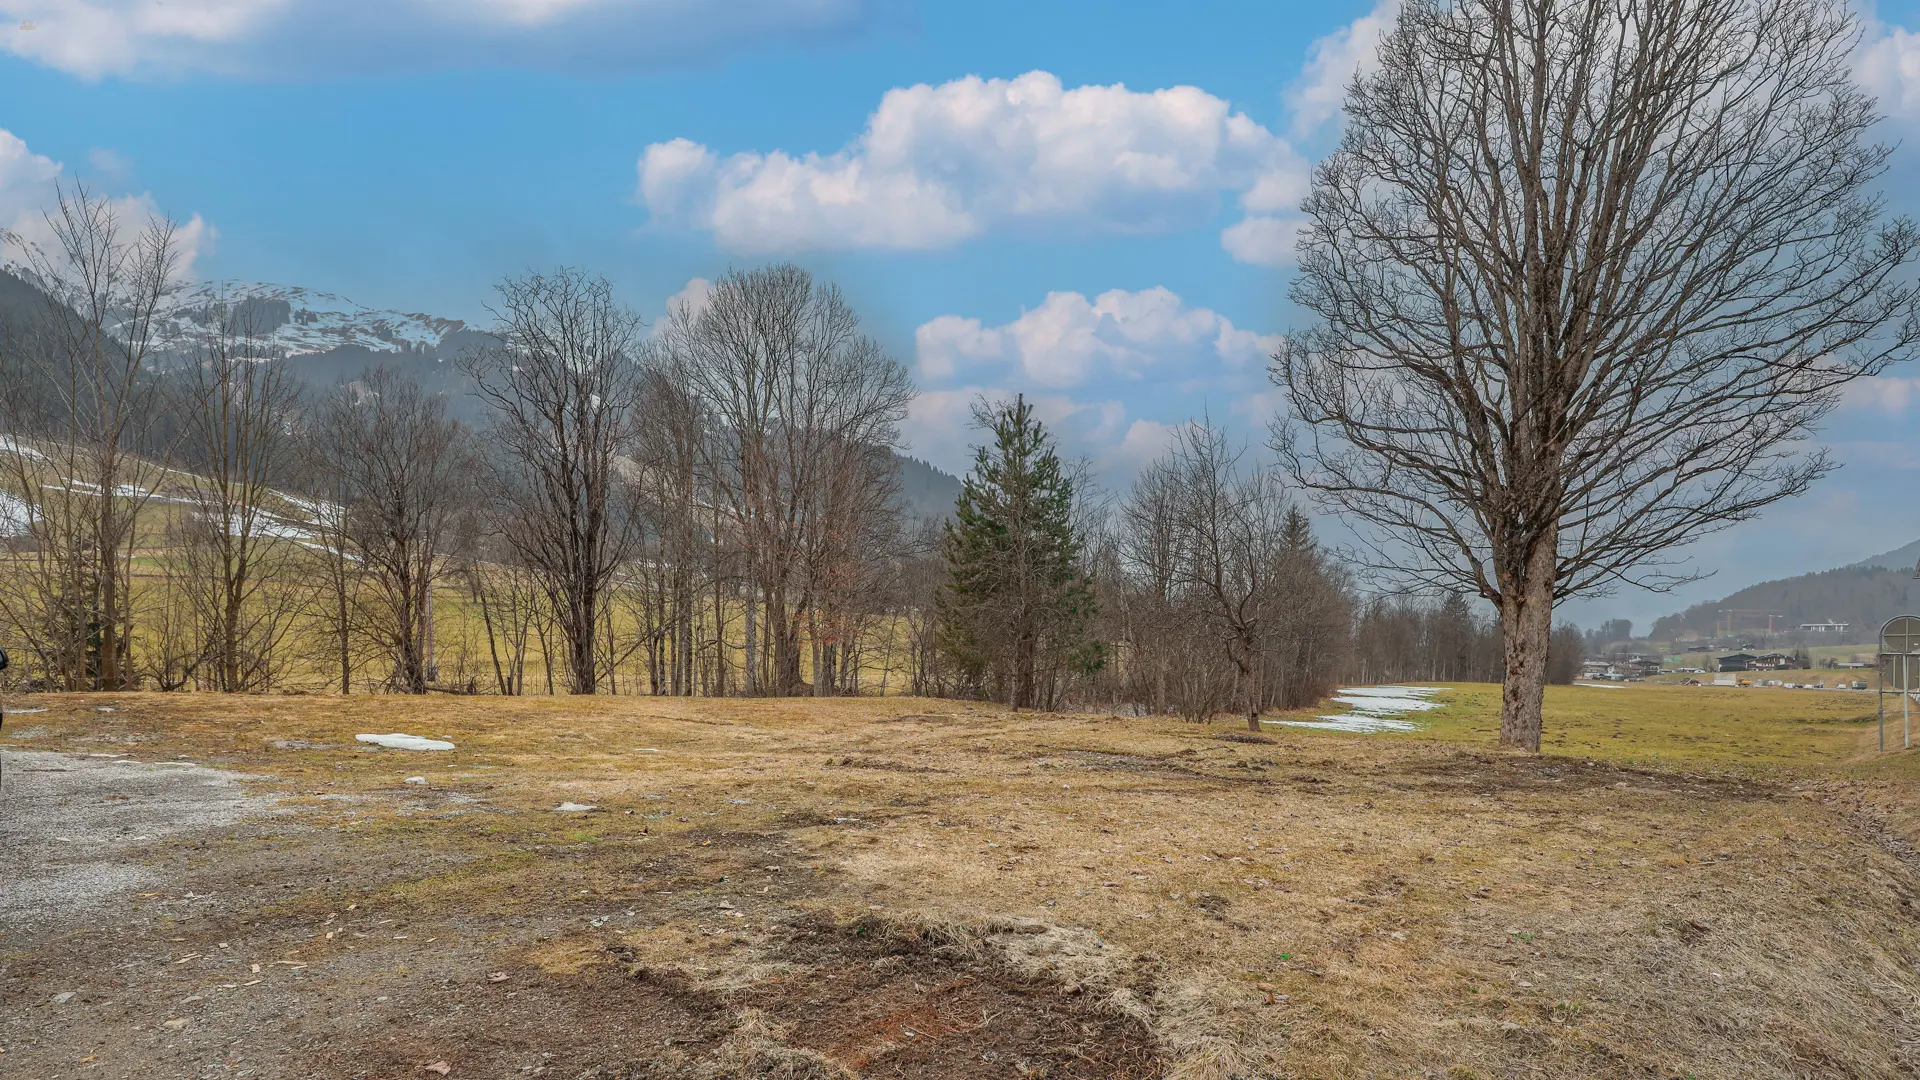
798	410
562	386
1587	273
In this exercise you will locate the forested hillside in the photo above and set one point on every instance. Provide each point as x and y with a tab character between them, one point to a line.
1902	558
925	491
1865	596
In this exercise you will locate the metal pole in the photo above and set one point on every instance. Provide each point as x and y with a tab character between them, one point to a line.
1880	695
1906	703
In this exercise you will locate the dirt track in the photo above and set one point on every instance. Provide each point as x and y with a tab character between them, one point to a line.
164	924
73	829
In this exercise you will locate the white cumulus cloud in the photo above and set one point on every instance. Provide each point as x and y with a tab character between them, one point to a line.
26	180
939	425
1887	63
938	165
1070	340
283	38
29	190
1332	61
1263	239
1888	395
691	300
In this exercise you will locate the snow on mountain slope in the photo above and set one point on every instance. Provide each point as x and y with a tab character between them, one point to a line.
300	321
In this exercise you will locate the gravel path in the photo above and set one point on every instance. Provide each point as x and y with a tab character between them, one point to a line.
68	823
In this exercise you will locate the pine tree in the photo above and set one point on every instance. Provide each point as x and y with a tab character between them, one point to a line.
1017	604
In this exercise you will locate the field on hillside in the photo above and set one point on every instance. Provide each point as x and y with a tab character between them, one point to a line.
1691	882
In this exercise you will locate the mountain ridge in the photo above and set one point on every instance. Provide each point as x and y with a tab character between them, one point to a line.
329	338
1907	557
1864	594
298	321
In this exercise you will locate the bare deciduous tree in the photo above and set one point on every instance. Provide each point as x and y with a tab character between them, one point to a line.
798	409
509	600
562	386
338	572
403	470
1205	528
1230	572
1587	273
75	376
232	554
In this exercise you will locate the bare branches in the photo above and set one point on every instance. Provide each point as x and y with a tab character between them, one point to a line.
1228	572
75	380
402	469
1587	276
232	557
798	412
562	387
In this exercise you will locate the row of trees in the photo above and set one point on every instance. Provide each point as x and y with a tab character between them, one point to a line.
1202	592
195	515
705	509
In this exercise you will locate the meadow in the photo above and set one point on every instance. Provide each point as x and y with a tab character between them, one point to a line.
1690	882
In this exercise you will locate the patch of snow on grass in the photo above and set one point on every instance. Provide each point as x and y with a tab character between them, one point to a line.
397	741
1376	710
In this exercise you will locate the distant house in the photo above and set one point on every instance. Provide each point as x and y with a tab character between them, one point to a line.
1641	666
1772	661
1737	662
1825	627
1600	670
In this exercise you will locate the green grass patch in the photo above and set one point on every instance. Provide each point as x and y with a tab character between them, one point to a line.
1650	724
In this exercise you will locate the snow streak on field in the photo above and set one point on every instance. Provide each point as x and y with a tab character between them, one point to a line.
15	515
11	445
1375	709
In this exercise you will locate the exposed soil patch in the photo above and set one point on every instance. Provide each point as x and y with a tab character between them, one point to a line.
899	1007
887	1007
276	949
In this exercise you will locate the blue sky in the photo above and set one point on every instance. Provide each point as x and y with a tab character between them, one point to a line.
1089	202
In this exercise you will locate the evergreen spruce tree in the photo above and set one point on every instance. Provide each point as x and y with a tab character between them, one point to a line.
1017	605
1296	532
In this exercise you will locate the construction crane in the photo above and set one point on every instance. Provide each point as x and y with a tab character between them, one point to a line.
1728	628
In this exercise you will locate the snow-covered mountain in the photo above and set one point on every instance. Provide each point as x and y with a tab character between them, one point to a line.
332	338
295	321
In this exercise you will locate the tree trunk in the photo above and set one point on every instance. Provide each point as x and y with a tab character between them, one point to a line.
346	641
109	678
1526	621
1249	689
584	676
752	640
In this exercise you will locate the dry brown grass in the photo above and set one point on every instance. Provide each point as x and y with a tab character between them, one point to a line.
1315	906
